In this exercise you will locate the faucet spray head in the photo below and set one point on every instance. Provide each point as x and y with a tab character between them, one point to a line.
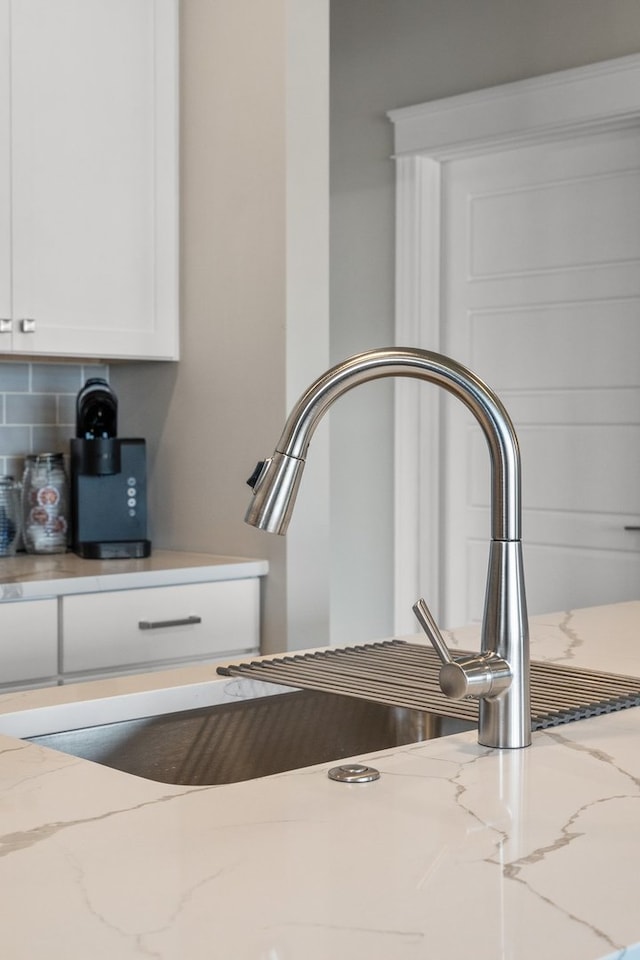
275	485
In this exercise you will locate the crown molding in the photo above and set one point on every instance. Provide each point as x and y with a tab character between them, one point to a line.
512	114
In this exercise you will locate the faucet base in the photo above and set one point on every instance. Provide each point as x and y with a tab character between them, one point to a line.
505	720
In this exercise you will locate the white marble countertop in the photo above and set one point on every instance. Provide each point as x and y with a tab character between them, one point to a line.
457	851
25	576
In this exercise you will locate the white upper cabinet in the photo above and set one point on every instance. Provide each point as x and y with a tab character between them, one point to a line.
5	172
89	178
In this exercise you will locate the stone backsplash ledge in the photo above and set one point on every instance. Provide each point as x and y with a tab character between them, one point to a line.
38	408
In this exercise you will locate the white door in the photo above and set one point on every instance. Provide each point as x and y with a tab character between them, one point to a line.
541	298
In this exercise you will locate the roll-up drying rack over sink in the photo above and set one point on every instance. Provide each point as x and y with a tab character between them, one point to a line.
404	674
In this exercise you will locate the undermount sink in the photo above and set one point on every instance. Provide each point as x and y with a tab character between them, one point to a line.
240	739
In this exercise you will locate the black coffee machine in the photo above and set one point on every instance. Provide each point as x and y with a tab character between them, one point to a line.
108	481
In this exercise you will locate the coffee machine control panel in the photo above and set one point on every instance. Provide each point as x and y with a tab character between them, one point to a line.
132	491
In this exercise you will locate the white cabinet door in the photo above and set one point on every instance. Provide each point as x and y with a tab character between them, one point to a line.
5	178
29	646
94	177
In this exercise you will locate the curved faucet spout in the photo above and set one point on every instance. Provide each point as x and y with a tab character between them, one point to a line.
273	513
505	719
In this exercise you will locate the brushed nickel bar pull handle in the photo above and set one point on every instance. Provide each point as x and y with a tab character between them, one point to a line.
157	624
632	528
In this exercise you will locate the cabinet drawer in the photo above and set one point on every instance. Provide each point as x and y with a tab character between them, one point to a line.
177	623
29	644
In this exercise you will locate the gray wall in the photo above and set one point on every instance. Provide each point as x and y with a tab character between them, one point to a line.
254	298
200	416
387	54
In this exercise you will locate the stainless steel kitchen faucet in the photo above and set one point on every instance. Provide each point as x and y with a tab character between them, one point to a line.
499	675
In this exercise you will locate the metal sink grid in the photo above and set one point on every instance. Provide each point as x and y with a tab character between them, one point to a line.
406	674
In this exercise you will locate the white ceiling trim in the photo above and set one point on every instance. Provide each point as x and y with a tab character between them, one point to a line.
516	113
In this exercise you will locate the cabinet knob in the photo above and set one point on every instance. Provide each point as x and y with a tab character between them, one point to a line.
28	325
5	325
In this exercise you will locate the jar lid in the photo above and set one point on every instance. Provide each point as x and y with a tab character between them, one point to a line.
44	456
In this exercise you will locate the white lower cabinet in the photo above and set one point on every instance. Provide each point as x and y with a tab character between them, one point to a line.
85	636
158	625
29	642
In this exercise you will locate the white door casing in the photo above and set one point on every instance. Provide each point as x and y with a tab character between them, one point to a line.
430	139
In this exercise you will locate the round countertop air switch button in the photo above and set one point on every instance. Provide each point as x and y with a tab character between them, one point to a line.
354	773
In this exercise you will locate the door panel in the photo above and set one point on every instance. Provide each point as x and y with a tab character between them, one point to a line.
570	223
541	249
548	572
577	345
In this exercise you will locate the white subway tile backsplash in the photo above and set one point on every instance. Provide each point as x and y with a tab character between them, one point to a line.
15	441
53	439
67	409
14	377
30	408
55	378
38	408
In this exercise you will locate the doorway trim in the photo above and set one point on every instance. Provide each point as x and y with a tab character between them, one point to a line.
581	101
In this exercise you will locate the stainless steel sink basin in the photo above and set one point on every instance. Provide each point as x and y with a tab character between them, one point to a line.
222	731
232	741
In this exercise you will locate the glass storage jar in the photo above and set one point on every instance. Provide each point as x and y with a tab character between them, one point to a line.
45	504
9	515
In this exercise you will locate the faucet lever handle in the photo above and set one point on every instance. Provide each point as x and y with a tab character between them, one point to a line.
430	627
478	675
